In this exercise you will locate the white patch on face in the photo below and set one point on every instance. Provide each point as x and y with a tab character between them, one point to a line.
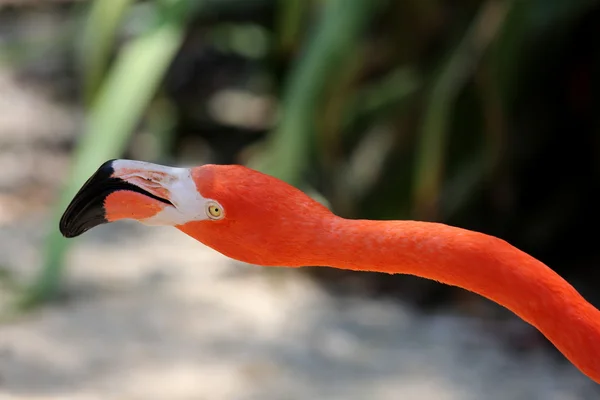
189	205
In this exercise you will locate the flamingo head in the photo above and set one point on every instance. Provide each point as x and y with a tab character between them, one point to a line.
240	212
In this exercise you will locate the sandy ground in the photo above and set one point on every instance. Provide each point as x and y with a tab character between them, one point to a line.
154	315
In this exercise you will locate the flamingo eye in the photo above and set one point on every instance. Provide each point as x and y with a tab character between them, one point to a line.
214	210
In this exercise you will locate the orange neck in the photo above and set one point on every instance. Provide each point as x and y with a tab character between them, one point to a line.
476	262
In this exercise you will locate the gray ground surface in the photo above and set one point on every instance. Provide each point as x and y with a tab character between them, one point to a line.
154	315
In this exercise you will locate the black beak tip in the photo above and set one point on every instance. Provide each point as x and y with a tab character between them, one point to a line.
86	210
71	230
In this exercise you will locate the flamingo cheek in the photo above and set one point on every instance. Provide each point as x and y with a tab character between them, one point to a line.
124	204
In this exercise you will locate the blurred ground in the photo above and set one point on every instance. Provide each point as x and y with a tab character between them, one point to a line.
153	315
150	314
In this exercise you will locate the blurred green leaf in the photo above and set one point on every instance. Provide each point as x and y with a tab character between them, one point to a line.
121	103
289	23
98	38
339	30
383	96
429	167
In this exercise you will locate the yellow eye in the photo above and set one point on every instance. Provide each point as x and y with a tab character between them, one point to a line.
215	211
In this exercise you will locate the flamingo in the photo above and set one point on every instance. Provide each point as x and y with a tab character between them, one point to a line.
258	219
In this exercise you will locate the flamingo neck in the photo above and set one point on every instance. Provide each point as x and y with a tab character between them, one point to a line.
476	262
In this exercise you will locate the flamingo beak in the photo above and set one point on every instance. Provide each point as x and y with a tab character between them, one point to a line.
88	209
